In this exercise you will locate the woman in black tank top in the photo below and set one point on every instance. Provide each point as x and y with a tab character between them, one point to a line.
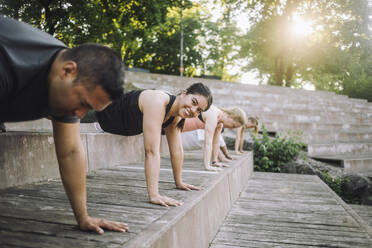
149	112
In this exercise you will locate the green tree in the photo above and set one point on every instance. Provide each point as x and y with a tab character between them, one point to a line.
52	16
146	33
333	52
160	51
219	43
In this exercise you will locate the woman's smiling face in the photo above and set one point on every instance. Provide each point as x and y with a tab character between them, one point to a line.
191	105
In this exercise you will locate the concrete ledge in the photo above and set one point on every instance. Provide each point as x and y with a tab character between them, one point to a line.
340	148
357	165
27	157
106	150
202	214
351	163
43	125
36	125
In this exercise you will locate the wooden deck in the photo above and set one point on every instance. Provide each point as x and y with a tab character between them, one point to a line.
288	210
39	215
365	212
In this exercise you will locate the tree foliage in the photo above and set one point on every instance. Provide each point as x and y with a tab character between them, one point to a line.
335	55
160	52
145	33
220	45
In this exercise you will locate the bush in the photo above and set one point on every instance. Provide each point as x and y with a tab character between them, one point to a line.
270	154
335	183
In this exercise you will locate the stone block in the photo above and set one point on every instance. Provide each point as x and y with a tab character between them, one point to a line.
195	223
27	157
106	150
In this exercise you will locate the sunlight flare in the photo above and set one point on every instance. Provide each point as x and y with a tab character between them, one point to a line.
301	26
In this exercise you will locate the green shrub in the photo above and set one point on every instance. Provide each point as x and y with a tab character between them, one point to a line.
335	183
270	154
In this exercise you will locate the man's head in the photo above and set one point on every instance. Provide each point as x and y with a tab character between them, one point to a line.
86	77
97	65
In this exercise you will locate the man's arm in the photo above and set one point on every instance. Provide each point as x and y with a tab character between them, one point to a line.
176	154
72	165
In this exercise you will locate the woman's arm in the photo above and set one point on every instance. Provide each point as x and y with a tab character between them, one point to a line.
176	154
216	144
210	118
239	140
152	105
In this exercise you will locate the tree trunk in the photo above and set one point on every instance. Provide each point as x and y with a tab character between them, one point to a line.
278	71
289	75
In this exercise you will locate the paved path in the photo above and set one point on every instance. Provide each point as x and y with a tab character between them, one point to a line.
289	210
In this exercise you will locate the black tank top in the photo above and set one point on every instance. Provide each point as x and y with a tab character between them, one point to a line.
124	117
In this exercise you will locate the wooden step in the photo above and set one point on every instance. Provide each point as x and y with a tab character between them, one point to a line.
39	215
289	210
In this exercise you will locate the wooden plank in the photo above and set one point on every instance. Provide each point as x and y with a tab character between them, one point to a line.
296	199
294	236
25	239
364	211
39	215
18	225
287	224
276	211
278	241
314	219
293	228
289	206
222	243
60	211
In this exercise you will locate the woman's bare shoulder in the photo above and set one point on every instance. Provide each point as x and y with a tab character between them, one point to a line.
154	93
153	98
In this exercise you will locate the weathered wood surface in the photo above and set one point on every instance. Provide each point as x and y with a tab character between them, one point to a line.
288	210
39	215
365	212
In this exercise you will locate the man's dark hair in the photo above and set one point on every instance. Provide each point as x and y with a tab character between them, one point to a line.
99	65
